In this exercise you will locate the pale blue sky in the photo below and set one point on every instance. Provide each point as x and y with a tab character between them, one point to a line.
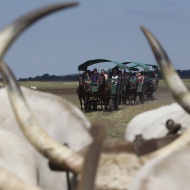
106	29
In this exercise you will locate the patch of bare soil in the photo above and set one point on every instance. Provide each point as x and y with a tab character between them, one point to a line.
162	95
60	91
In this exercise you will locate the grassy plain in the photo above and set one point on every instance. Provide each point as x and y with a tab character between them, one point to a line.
115	121
50	84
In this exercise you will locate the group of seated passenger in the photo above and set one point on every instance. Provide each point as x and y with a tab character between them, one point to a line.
94	76
140	77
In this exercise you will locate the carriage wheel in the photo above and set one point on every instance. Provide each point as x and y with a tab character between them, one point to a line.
132	97
150	96
94	105
116	102
110	104
124	99
141	97
120	98
89	106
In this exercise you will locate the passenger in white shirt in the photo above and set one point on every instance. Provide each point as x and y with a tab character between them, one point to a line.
115	76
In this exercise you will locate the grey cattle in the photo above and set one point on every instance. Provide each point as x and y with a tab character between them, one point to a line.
16	158
152	124
59	118
170	173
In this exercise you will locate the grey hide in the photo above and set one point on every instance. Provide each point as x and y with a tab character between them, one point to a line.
16	158
59	118
171	173
151	124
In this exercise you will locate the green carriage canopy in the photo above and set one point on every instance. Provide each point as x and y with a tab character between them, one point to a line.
145	66
85	65
136	64
155	67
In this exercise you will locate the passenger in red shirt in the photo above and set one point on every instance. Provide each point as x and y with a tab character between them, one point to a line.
140	78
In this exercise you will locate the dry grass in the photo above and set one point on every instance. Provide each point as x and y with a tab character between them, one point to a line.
50	85
162	84
58	85
115	121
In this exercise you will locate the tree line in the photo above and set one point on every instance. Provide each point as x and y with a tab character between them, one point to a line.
184	74
47	77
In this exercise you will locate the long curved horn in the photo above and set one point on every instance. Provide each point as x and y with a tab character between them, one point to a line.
12	31
55	152
10	182
178	90
175	84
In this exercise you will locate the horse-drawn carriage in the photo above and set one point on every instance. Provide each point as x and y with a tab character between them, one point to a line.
145	87
105	93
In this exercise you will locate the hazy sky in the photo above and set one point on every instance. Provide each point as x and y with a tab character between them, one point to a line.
106	29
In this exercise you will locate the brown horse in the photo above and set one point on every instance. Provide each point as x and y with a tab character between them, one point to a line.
83	92
150	90
104	92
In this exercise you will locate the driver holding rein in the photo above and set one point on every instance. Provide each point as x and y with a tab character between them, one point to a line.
95	78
